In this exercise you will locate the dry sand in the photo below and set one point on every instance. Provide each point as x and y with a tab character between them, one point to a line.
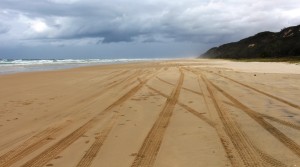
165	114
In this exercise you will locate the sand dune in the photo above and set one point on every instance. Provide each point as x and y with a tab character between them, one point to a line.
161	114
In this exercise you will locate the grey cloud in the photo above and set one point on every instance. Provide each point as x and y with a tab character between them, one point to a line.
44	8
3	29
206	23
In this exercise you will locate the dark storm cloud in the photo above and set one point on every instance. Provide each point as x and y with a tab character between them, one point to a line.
44	8
98	22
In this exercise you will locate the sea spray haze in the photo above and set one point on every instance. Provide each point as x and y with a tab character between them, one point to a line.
26	65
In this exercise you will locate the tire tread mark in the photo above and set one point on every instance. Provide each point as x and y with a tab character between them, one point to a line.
194	112
109	86
267	159
150	147
31	144
94	97
119	74
262	92
107	78
187	89
96	146
225	140
162	80
197	114
55	149
286	123
91	153
280	121
270	160
289	143
126	78
242	144
42	138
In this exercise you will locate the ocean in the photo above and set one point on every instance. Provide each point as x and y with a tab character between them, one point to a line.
8	66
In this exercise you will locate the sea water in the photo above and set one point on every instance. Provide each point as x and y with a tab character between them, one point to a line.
8	66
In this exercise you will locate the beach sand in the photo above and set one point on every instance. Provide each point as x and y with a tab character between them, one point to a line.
180	113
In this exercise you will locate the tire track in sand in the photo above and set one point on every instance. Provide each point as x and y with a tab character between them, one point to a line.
242	144
107	77
150	147
44	137
31	144
187	89
280	121
283	122
289	143
286	123
226	142
117	75
61	145
266	160
43	86
186	107
96	146
108	86
262	92
91	153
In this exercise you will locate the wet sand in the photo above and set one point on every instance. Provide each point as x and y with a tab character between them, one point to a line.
163	114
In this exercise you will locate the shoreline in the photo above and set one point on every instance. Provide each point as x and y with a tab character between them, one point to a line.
258	67
46	65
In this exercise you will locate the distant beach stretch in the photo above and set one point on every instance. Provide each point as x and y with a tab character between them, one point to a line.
8	66
194	112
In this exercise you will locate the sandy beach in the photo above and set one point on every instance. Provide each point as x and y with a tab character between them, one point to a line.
181	113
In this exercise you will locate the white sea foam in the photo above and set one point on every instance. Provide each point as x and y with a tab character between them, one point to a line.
9	62
26	65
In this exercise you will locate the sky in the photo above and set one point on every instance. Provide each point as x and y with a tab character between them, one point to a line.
59	29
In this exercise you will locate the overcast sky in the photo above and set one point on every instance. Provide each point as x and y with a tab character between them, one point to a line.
132	28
